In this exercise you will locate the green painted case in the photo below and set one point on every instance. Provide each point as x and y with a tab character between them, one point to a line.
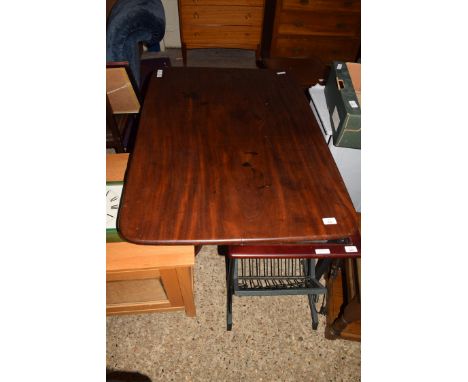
344	107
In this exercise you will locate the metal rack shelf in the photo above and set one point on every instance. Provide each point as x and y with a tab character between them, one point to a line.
283	270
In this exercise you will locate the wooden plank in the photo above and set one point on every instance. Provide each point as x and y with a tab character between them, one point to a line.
230	36
257	3
314	24
124	256
137	274
327	48
135	292
116	164
323	5
120	91
171	286
221	15
146	308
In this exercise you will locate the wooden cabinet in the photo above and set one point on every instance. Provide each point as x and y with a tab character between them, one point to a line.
327	29
220	24
146	278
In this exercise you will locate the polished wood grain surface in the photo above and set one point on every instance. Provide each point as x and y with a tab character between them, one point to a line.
230	156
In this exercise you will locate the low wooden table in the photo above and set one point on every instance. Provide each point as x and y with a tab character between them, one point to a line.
231	156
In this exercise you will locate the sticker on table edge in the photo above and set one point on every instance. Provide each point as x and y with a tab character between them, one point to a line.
328	221
159	73
322	251
278	73
350	248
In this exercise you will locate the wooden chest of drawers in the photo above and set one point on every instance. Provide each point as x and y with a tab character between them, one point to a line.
327	29
220	24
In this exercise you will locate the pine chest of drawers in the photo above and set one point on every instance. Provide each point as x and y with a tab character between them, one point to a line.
220	24
327	29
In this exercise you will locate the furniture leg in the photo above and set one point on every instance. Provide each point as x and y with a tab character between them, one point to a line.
309	271
323	265
116	138
313	311
170	282
351	313
185	277
229	286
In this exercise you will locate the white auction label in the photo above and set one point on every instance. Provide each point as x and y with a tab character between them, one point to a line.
350	248
353	104
335	118
159	73
339	66
322	251
328	221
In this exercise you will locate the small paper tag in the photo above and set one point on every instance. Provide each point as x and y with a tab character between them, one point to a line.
280	73
328	221
322	251
339	66
159	73
350	248
353	104
335	118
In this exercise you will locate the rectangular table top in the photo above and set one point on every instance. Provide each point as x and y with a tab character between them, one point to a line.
231	156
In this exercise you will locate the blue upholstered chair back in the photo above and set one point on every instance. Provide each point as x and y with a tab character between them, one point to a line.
129	23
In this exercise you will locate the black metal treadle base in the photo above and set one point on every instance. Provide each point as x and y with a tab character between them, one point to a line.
270	277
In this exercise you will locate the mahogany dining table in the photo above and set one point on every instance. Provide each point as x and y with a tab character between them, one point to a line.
231	157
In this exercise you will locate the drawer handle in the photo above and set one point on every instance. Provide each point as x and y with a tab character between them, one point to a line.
304	2
196	16
248	16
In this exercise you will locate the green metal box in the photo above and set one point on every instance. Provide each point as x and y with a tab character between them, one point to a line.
343	95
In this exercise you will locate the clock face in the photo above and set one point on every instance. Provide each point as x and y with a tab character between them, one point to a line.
113	194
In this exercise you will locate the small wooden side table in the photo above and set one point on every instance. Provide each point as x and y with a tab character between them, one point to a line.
146	278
